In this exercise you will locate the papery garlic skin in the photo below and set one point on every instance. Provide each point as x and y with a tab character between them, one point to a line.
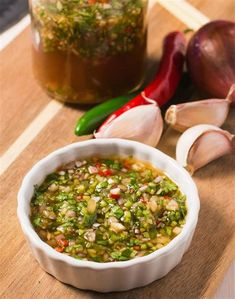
202	144
210	111
185	115
231	95
142	123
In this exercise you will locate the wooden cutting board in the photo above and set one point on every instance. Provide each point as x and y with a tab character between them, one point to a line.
29	117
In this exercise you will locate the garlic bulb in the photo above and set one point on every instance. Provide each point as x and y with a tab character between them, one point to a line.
143	123
202	144
211	111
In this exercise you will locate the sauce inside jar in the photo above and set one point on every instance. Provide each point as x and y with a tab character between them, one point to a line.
87	51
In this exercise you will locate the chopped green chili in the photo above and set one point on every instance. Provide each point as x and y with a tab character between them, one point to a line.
83	210
90	28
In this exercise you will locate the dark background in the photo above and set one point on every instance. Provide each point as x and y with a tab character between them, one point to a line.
11	11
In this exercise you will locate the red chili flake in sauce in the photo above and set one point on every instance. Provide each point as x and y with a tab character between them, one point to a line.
59	249
126	165
114	196
128	30
158	223
105	172
63	242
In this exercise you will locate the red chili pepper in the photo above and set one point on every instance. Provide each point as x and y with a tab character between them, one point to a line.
114	196
158	222
127	165
59	249
63	242
168	76
105	172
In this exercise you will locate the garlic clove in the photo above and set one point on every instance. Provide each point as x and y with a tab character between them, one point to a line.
143	123
210	111
202	144
185	115
210	146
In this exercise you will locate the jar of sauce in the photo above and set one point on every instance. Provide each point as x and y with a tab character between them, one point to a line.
86	51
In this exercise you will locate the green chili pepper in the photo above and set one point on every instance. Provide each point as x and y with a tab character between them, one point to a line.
93	118
118	212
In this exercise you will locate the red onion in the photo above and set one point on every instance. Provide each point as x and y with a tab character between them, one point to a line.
211	57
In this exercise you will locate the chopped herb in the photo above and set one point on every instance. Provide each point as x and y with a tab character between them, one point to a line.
90	29
117	211
94	226
89	220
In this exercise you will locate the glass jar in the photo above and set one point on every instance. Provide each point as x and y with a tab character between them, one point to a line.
86	51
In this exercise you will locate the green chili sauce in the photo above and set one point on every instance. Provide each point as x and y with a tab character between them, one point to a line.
86	51
90	28
107	210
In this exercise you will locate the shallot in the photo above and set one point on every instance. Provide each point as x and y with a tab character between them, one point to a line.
211	57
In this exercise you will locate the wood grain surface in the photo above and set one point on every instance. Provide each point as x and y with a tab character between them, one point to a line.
212	248
217	9
21	97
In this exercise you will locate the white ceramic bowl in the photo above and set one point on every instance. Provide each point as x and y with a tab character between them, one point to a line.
112	276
